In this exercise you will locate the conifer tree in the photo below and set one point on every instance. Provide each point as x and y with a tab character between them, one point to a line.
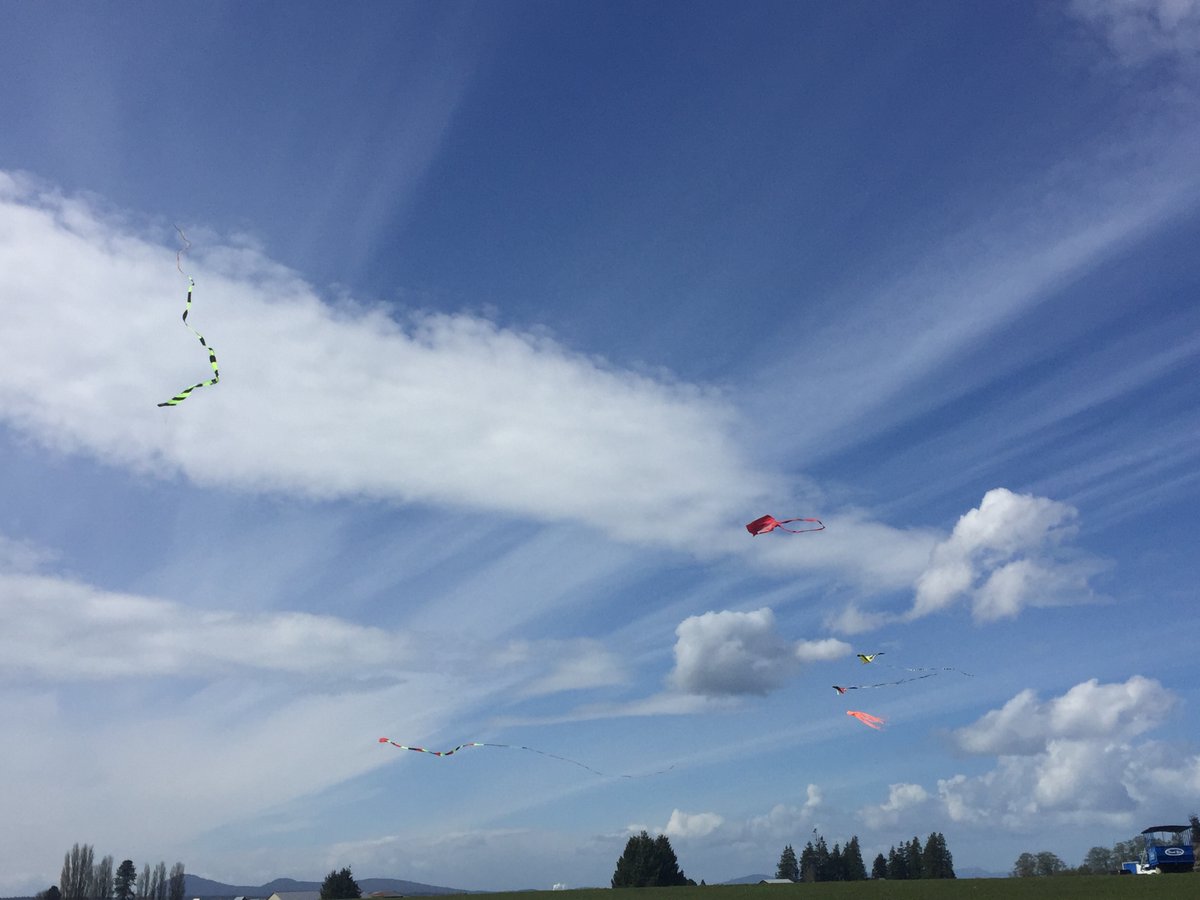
788	866
852	861
879	867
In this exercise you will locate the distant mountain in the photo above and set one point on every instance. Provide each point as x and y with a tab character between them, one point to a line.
195	886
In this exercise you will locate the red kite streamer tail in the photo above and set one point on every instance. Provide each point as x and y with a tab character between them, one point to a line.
866	718
764	524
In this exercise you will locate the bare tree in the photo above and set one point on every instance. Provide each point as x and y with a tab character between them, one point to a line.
175	891
145	890
160	882
75	883
102	879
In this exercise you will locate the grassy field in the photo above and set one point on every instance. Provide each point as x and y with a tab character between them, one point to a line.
1061	888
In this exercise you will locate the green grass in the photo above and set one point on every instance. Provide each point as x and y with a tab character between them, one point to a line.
1066	887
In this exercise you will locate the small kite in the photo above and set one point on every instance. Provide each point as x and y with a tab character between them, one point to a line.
866	718
769	523
573	762
869	657
187	307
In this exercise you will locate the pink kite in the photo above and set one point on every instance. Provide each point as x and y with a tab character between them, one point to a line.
866	718
770	523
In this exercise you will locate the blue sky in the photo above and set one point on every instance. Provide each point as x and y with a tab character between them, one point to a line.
523	310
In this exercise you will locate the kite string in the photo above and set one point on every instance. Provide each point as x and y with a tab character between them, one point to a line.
181	251
545	753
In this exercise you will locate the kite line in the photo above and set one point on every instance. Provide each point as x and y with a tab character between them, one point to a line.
565	759
763	524
187	307
870	657
862	687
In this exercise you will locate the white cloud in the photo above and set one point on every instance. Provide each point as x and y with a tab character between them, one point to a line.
1025	725
340	401
1003	557
336	401
821	651
1070	760
571	666
692	825
902	798
55	629
723	653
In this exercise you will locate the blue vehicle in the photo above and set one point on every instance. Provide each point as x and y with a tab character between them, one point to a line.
1168	849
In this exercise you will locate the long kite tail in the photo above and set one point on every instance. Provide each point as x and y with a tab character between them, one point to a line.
545	753
841	689
820	525
430	752
212	355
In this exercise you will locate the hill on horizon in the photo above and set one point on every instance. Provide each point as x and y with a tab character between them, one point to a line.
196	886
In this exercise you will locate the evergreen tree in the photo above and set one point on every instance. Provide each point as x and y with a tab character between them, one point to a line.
125	880
853	862
808	863
897	865
879	867
836	871
648	862
788	866
946	863
340	886
50	893
822	860
912	857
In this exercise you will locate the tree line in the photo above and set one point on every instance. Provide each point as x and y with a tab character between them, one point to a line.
1097	861
83	878
911	860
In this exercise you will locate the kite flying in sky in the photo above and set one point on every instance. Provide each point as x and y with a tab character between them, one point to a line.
212	355
866	718
770	523
573	762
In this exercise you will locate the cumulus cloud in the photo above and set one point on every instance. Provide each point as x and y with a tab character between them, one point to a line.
1073	759
729	653
1026	725
821	651
690	825
1004	556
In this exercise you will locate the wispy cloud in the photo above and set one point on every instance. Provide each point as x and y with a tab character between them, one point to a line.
1139	32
